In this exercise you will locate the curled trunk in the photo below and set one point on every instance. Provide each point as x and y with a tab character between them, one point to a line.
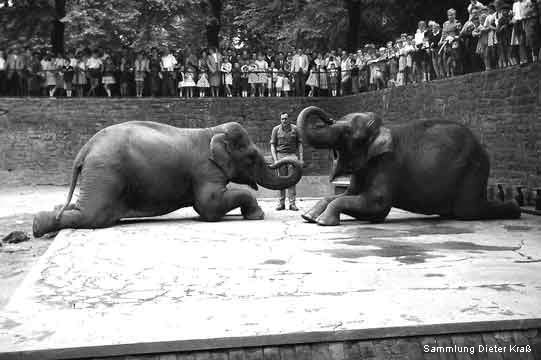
324	136
268	175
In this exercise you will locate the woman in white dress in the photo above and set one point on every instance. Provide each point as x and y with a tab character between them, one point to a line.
227	77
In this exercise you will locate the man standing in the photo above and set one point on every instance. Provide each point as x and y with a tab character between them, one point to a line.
168	64
286	143
299	67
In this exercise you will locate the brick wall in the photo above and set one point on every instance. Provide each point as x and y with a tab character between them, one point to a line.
39	137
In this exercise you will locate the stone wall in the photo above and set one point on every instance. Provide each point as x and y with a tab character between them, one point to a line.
39	137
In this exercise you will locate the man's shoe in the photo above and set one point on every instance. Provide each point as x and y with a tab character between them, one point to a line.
293	208
280	207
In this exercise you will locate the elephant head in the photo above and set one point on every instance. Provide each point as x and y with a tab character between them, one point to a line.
355	138
232	150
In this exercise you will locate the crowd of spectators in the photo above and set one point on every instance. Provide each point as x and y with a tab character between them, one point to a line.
496	35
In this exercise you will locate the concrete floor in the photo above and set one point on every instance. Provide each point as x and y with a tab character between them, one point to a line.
175	278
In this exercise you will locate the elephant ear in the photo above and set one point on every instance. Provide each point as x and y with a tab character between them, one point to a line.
381	140
220	154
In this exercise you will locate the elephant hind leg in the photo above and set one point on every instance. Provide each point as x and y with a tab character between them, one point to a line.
46	222
471	202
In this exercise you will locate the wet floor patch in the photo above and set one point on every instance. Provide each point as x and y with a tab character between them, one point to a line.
405	252
275	262
517	228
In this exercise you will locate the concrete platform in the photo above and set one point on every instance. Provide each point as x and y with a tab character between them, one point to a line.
175	279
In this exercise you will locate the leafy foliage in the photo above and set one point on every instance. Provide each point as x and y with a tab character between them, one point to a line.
279	24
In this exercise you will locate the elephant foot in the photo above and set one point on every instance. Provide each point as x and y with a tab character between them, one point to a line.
256	214
44	222
328	220
309	218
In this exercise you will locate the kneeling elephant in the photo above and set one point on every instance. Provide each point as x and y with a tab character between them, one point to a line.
143	169
427	167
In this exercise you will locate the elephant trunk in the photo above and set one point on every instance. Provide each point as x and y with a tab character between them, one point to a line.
268	175
321	137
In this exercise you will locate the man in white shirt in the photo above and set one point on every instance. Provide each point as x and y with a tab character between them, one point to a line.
168	64
299	67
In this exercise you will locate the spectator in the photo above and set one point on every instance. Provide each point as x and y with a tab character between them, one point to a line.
345	73
299	67
530	25
420	56
312	81
503	35
482	43
517	35
475	7
167	67
108	78
333	76
189	80
203	82
245	80
141	68
214	63
226	69
261	67
33	78
434	38
469	42
95	67
48	71
69	71
3	69
80	73
15	66
236	74
492	41
451	29
125	70
271	79
155	74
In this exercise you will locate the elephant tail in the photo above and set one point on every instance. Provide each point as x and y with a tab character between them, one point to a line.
77	167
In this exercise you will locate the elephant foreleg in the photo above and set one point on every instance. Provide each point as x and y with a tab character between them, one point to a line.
312	214
213	203
366	207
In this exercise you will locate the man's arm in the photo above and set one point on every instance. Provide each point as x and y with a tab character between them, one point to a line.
273	145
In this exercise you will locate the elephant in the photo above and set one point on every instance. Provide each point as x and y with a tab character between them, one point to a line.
144	169
431	167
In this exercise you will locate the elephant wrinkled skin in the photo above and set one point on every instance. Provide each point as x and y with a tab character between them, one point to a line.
143	169
427	167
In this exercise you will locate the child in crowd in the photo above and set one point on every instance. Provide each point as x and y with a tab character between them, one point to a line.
94	66
252	77
530	26
503	34
322	78
203	82
125	71
140	68
226	70
69	71
333	77
180	78
420	55
80	73
245	81
313	80
492	41
59	66
261	68
482	43
48	69
271	79
236	74
188	82
517	34
108	79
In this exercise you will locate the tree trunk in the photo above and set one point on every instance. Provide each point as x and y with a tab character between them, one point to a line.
57	35
214	23
354	15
